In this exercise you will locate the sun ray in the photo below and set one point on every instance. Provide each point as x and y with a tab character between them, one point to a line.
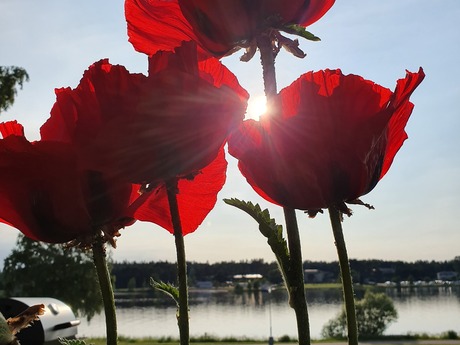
257	106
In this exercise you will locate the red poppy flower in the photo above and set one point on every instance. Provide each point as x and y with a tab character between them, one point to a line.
219	26
334	138
45	195
196	198
148	130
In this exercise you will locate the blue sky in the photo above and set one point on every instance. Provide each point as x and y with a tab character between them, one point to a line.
416	202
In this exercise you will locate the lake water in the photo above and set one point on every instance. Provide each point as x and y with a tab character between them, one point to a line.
431	310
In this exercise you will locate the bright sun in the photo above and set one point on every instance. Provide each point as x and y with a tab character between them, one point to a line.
256	106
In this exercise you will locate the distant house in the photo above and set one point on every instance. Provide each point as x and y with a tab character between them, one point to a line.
244	280
313	275
247	277
446	275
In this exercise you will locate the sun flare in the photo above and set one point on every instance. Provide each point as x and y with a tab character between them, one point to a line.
257	106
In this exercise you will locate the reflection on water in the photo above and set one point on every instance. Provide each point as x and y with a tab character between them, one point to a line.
426	310
221	313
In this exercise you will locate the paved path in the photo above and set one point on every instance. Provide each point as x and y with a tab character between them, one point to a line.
379	342
411	342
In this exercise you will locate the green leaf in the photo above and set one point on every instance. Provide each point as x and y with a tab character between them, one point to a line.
295	29
63	341
166	288
268	227
9	78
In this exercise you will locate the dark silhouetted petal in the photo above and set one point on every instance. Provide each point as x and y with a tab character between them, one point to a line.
45	195
149	129
218	26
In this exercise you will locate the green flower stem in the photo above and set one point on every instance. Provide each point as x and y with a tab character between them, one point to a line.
295	276
183	317
267	58
99	257
347	283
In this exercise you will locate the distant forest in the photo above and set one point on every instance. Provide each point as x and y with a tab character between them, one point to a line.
137	274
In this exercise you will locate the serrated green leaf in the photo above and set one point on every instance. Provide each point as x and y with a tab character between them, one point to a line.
268	227
166	288
63	341
295	29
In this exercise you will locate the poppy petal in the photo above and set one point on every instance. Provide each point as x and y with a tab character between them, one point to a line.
11	128
403	109
40	190
220	27
156	25
316	9
196	198
138	128
47	196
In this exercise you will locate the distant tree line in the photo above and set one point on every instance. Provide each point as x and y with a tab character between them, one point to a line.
379	271
127	273
137	274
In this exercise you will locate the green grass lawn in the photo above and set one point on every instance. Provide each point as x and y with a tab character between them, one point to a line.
151	341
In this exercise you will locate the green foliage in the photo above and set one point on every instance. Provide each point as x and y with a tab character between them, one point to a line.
63	341
37	269
9	77
450	335
299	30
373	314
238	289
268	228
285	339
166	288
132	284
456	264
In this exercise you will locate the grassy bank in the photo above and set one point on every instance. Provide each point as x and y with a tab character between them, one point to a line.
449	337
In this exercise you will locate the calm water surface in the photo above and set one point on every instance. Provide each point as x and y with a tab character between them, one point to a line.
421	310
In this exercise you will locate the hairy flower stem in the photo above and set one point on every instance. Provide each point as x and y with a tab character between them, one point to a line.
296	286
267	58
347	283
99	257
295	276
183	317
